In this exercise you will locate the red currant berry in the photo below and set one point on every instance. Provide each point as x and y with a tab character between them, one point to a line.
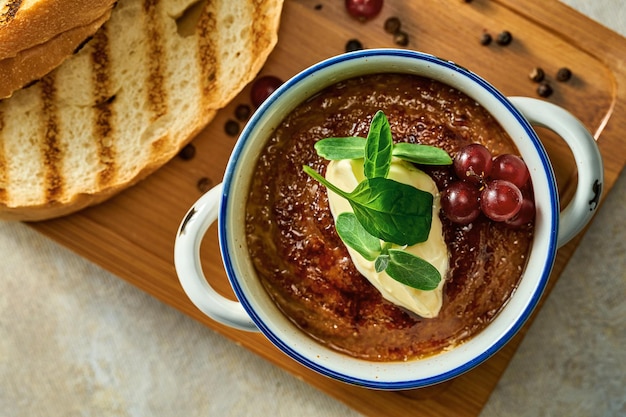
473	163
510	168
364	9
459	202
263	87
500	200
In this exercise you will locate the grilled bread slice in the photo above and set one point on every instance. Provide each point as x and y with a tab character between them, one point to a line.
36	36
153	76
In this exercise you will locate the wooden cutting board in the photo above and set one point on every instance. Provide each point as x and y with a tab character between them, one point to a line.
132	235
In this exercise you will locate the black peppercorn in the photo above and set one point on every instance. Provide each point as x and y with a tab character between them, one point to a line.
188	152
392	25
537	74
544	89
242	112
231	128
401	38
563	74
485	39
504	38
353	45
204	184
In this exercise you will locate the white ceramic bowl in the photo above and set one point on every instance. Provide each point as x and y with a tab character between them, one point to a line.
255	311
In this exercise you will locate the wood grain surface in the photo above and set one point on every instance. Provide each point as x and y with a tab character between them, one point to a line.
132	235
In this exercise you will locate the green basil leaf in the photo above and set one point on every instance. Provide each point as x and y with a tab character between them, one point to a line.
378	147
355	236
387	209
381	263
392	211
412	270
421	154
335	149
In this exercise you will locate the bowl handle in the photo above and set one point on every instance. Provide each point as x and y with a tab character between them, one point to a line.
575	216
189	268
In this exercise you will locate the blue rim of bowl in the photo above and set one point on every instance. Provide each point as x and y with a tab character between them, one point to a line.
276	339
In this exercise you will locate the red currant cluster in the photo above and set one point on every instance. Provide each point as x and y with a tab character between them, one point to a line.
498	187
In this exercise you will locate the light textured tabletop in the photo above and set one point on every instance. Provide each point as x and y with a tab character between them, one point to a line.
78	341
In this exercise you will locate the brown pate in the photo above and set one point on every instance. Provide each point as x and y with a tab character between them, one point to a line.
306	268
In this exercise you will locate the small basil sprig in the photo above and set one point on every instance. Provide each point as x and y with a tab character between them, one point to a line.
385	209
402	266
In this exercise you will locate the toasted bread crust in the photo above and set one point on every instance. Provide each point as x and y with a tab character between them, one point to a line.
32	64
27	23
127	102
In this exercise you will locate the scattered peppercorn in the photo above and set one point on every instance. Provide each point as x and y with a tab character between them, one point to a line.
563	74
544	89
242	112
353	45
231	128
204	184
401	38
318	7
485	39
504	38
537	74
188	152
392	25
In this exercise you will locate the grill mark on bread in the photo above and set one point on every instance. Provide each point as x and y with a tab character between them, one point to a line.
3	163
10	10
207	52
52	153
103	108
157	95
99	160
259	42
